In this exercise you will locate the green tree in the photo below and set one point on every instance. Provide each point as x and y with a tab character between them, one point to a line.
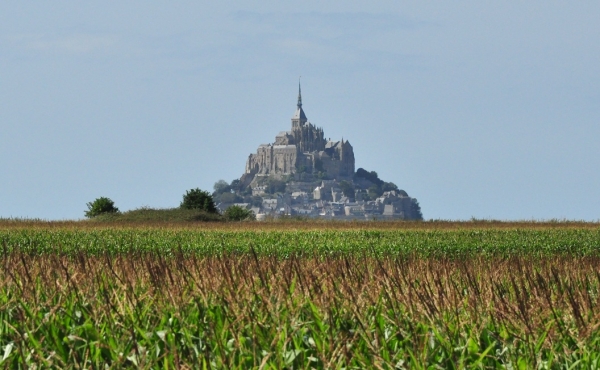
318	166
416	209
275	186
100	206
374	192
371	176
198	199
221	187
389	186
237	213
256	201
347	188
235	185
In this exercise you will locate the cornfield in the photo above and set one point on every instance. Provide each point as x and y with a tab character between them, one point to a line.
292	297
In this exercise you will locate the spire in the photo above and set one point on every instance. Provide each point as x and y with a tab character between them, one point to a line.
299	118
299	95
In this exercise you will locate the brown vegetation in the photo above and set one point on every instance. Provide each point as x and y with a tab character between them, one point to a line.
291	223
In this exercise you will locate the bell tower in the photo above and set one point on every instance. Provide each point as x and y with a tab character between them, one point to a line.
299	118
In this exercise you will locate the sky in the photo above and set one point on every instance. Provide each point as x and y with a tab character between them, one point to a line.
477	109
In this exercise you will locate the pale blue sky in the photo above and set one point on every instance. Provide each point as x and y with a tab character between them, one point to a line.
477	110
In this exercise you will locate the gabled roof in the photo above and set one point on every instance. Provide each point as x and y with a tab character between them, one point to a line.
332	144
299	114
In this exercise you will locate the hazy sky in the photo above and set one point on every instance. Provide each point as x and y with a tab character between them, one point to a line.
477	110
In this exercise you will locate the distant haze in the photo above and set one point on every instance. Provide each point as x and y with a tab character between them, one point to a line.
476	110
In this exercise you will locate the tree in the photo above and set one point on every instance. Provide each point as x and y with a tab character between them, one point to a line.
221	187
237	213
347	188
416	209
371	176
100	206
275	186
389	186
235	185
198	199
256	201
318	166
374	192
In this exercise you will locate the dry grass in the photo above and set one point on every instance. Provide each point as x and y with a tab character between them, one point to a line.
516	289
302	224
530	308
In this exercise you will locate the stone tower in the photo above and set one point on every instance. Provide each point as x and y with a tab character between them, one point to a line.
308	138
299	118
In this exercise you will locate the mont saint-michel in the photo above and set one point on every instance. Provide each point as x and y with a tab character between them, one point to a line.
302	173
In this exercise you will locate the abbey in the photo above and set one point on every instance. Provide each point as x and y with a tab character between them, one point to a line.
301	173
303	149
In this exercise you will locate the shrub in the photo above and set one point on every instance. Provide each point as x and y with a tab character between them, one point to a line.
237	213
275	186
166	215
374	192
416	210
198	199
389	186
221	187
347	188
371	176
100	206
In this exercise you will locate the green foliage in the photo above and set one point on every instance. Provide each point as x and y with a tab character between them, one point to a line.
100	206
374	192
191	298
246	191
347	188
379	186
256	201
151	215
275	186
229	193
453	244
198	199
389	186
220	187
370	176
235	184
416	209
237	213
318	167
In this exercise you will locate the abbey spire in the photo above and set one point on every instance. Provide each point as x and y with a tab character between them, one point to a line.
299	118
299	105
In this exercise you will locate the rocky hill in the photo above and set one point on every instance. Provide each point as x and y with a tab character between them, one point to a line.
302	173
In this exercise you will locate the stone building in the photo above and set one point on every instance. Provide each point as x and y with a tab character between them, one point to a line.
303	149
